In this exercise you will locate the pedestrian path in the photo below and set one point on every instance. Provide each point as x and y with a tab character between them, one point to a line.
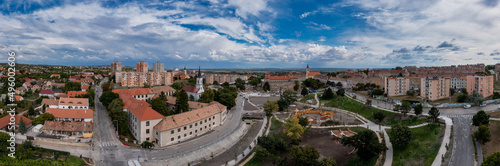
108	144
459	116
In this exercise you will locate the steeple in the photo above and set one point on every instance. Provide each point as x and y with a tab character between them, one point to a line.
199	72
308	65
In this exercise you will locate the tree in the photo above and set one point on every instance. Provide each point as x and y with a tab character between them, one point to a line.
215	83
177	86
296	86
181	103
452	91
328	94
240	86
266	86
254	81
289	96
145	85
207	96
360	86
270	106
44	117
339	84
225	84
483	134
22	126
405	107
107	97
492	160
160	106
44	108
496	95
273	144
293	129
476	98
282	104
304	155
462	98
304	91
401	136
261	152
31	111
227	96
464	90
146	144
303	121
327	161
379	115
481	118
72	86
418	109
367	144
341	92
191	98
411	93
434	114
163	96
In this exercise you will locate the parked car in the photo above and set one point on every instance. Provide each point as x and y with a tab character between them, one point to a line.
482	105
467	106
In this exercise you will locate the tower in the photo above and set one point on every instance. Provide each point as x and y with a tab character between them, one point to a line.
307	71
141	67
199	81
185	71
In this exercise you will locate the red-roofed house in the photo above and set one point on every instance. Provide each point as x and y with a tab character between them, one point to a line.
76	93
142	119
47	93
137	93
74	78
85	87
18	98
71	115
4	122
55	76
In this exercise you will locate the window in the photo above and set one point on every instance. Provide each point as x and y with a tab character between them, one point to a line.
201	122
214	117
172	132
147	131
179	130
195	131
172	139
179	137
190	133
205	126
205	120
209	119
157	133
190	126
185	127
208	126
195	124
147	123
214	123
201	129
185	135
147	139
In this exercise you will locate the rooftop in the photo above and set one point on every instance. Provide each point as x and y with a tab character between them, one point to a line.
71	113
185	118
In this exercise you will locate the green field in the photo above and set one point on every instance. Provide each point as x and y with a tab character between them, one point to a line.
275	124
424	147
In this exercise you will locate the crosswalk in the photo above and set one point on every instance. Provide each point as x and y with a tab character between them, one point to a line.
459	116
107	144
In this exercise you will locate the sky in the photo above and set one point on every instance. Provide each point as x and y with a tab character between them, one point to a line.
252	33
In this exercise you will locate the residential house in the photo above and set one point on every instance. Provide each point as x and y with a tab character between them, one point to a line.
73	103
71	115
47	93
76	93
79	129
51	103
4	122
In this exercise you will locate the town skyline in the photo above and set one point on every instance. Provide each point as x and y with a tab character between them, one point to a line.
345	34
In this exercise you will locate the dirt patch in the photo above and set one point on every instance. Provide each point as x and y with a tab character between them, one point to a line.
495	114
258	101
326	146
492	146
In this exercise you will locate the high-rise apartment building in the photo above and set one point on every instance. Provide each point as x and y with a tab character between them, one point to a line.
141	67
396	86
116	67
158	67
480	83
435	88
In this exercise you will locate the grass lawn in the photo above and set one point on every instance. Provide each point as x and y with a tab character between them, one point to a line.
358	162
423	148
494	145
275	124
307	97
346	103
255	161
74	161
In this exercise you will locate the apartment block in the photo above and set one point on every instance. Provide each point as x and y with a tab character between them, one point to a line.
134	79
396	86
458	82
116	67
158	67
435	88
480	83
141	67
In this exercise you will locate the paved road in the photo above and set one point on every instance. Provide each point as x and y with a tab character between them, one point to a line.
463	150
109	151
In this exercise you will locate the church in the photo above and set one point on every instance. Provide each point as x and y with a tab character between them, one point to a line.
197	90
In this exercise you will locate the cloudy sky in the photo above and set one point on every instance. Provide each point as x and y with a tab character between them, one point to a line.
252	33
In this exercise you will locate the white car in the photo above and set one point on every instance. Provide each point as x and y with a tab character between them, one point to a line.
482	105
467	106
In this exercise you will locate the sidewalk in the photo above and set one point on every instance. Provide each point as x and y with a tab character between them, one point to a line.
446	141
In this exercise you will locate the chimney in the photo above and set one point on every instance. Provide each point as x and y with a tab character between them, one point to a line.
141	103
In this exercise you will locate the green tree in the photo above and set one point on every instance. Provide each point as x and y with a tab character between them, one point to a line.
481	118
207	96
227	96
163	96
160	106
327	161
72	86
240	86
379	116
191	98
293	129
177	86
146	144
339	84
328	94
433	114
283	105
270	107
22	126
266	86
296	86
215	83
44	117
401	136
367	144
31	111
3	142
341	92
225	84
44	108
261	152
273	144
289	96
304	155
181	103
492	160
462	98
254	81
476	98
304	91
107	97
483	134
405	107
418	109
303	121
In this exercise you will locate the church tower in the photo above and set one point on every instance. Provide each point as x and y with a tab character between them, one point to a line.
307	71
185	71
199	82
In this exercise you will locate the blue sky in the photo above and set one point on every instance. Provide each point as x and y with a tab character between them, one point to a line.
252	34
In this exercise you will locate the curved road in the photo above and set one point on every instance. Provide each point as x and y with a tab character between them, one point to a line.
109	151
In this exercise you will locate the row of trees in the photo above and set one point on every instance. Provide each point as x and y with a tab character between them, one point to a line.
475	98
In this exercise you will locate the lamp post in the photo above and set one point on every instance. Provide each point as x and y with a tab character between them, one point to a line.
116	127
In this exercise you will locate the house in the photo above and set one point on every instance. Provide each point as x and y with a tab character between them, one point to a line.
74	78
76	93
85	87
169	91
180	127
55	76
195	91
18	98
71	115
47	93
73	103
79	129
142	119
137	93
87	81
4	122
21	90
192	104
50	103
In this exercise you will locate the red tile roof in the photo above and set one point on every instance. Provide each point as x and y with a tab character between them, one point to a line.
159	89
75	93
74	101
50	101
71	113
185	118
142	111
68	126
4	121
285	77
190	88
46	91
18	98
314	73
85	87
135	91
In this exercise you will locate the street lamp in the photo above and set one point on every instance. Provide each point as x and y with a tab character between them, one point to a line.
116	126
